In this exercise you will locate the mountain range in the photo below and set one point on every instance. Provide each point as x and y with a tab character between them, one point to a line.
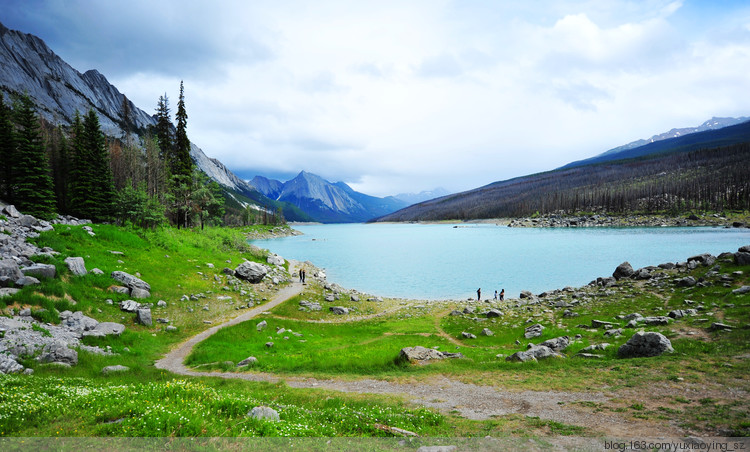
28	65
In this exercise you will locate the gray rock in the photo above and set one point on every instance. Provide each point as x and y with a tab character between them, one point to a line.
40	270
703	259
624	270
171	328
330	297
354	297
742	257
129	305
261	325
250	360
136	292
76	265
456	313
533	331
601	324
161	304
9	365
680	313
114	369
106	329
97	271
493	313
595	347
741	290
269	344
719	326
264	412
339	310
656	320
687	281
419	353
8	291
120	289
311	305
130	281
27	281
58	352
275	259
487	332
526	294
9	268
468	335
251	272
614	332
557	344
11	211
143	316
79	322
589	355
534	353
645	344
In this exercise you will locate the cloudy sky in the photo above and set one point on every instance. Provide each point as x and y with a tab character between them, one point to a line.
404	96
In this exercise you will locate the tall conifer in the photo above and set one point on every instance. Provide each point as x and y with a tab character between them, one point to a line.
164	128
102	183
33	185
181	163
7	151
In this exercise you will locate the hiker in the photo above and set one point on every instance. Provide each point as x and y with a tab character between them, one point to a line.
496	295
502	295
479	294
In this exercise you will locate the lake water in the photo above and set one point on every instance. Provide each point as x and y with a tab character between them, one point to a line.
439	261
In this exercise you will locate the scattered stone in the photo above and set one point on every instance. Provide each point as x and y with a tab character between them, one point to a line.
143	316
129	305
687	281
97	271
275	259
680	313
139	293
533	331
645	344
250	360
601	324
269	344
494	313
595	347
339	310
264	412
614	332
656	320
8	364
114	369
119	289
171	328
161	304
589	355
58	352
419	353
534	353
557	344
716	326
741	290
311	305
261	325
130	281
467	335
76	265
487	332
40	270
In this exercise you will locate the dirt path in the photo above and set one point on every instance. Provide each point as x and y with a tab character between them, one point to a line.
469	400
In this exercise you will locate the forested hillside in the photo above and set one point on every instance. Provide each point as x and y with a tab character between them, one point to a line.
709	179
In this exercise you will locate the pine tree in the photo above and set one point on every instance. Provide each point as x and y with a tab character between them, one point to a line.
181	162
80	203
102	183
7	151
34	194
164	128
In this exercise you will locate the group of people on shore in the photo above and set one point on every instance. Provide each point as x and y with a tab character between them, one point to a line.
302	275
500	296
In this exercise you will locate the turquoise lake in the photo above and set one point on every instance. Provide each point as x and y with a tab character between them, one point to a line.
435	262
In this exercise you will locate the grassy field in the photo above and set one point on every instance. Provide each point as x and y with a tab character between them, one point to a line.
184	269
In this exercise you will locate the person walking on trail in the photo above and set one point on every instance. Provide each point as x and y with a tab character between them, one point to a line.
502	294
496	295
479	294
303	275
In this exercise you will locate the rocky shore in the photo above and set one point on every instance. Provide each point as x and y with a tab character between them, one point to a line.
275	233
603	220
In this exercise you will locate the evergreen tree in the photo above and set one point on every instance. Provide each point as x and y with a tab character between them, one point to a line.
207	199
7	151
57	146
164	128
181	163
33	185
80	183
102	182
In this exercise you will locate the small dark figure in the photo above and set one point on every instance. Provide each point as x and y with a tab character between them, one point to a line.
304	275
479	294
496	295
301	274
502	295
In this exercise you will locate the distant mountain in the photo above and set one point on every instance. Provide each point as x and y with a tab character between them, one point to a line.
327	202
27	65
629	150
414	198
701	170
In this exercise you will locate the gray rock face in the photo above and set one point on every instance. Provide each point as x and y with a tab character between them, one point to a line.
79	322
533	331
275	259
11	211
656	320
143	316
264	412
419	353
115	369
311	305
40	270
58	352
251	272
339	310
645	344
703	259
742	257
261	325
76	265
130	281
139	293
624	270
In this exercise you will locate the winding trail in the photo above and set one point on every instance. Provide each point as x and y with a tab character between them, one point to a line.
469	400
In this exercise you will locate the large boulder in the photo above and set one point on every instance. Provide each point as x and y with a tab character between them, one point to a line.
129	305
130	281
275	259
264	412
137	292
143	316
624	270
43	270
557	344
8	365
419	353
11	211
78	322
9	269
251	272
703	259
533	331
742	258
645	344
339	310
76	265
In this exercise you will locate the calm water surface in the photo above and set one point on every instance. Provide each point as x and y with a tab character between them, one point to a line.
442	262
